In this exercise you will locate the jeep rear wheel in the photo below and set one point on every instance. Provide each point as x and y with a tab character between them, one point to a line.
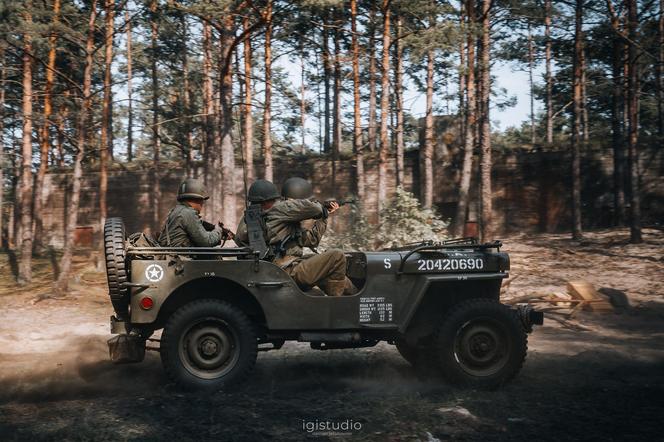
208	344
116	270
480	343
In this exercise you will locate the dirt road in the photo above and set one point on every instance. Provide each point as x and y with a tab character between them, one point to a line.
56	382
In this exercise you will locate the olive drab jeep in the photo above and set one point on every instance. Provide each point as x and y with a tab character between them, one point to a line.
438	303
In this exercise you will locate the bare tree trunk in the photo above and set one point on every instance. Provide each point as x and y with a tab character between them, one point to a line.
130	103
267	109
398	100
371	50
208	105
63	112
25	186
326	83
248	119
156	138
303	98
548	74
584	98
39	194
336	121
462	71
105	137
531	63
229	207
358	148
616	127
469	134
3	76
384	107
188	145
61	284
577	232
427	153
659	75
485	135
633	105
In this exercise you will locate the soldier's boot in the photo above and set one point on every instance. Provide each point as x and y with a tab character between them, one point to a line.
349	288
335	287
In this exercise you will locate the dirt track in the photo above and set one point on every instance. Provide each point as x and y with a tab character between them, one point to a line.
605	383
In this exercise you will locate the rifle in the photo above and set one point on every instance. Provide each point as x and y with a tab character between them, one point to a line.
342	202
226	234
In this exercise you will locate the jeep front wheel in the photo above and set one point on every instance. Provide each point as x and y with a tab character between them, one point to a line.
480	343
208	344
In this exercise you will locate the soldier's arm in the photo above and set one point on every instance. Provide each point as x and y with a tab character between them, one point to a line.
313	231
299	210
199	236
242	235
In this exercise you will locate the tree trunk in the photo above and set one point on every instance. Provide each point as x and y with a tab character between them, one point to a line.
398	100
469	133
616	130
548	74
187	142
633	105
3	64
485	134
326	83
531	65
267	109
336	121
577	109
208	106
226	109
39	194
584	98
371	50
63	113
384	107
130	104
61	284
462	71
156	138
358	148
427	152
25	186
105	137
248	119
303	98
659	77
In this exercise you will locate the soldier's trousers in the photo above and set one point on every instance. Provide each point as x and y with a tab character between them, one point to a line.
326	270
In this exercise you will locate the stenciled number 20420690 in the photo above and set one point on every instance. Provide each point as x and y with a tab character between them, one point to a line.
424	265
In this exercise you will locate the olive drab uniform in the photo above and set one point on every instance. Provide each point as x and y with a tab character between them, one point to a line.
290	226
184	228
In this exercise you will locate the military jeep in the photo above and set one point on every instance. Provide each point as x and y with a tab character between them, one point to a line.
438	303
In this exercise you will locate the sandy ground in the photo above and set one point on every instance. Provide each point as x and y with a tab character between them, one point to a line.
606	382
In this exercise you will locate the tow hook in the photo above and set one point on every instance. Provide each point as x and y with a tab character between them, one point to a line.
529	317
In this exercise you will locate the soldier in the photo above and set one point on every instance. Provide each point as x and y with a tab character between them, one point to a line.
287	233
184	227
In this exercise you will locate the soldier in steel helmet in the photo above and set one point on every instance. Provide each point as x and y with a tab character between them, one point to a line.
184	226
290	225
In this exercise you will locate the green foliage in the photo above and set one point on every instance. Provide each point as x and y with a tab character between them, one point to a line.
403	220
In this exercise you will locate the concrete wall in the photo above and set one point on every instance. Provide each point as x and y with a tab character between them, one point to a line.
531	189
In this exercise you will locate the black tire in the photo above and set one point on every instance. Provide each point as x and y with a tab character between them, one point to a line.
409	352
116	266
224	350
480	343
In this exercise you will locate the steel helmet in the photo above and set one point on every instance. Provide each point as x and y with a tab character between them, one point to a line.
191	189
297	188
262	190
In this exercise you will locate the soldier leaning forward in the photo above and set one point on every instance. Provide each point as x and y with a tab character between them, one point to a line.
184	226
294	223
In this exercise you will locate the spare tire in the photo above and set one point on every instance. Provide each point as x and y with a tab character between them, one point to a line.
116	266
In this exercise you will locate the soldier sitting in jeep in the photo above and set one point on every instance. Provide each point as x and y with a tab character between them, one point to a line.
184	227
286	234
